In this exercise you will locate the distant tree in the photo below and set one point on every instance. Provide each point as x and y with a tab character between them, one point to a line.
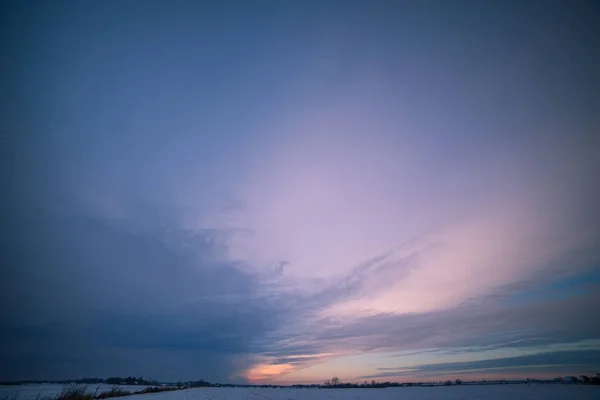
458	382
327	383
201	383
575	380
448	383
585	379
335	381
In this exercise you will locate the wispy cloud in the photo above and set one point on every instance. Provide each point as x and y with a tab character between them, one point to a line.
190	300
558	361
257	202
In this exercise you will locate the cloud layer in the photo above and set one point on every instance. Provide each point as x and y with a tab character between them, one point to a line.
286	194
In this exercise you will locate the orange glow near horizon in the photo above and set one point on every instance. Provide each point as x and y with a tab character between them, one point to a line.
262	372
283	374
266	372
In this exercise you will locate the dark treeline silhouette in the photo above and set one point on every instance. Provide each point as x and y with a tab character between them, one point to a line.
130	380
113	380
90	381
334	383
587	380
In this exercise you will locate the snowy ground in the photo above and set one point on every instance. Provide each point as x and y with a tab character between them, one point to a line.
489	392
33	391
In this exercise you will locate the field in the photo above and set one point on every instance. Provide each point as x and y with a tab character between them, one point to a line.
40	391
488	392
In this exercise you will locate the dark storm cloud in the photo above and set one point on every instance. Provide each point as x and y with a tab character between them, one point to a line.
83	285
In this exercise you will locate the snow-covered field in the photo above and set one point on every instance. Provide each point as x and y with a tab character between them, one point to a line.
489	392
33	391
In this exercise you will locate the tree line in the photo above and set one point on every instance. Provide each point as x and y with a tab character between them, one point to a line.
335	382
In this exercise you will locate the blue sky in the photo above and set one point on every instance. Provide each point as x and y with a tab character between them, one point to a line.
287	191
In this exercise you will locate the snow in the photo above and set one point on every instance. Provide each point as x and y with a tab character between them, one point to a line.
475	392
33	391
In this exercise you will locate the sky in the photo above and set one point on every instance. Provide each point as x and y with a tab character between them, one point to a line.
287	191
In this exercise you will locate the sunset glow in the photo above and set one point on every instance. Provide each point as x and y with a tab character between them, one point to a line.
288	191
